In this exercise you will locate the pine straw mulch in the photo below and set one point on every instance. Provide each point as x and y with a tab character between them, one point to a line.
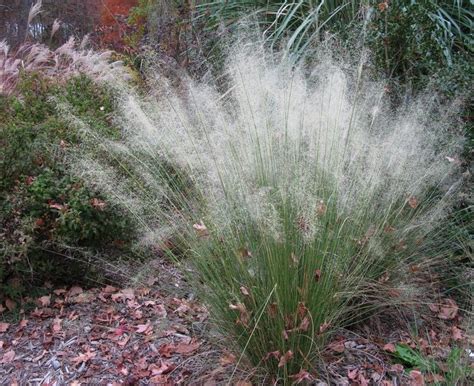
147	335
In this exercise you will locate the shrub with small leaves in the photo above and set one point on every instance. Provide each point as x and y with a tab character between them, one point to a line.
51	222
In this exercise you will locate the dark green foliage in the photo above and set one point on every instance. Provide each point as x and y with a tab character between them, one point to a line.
413	41
413	358
455	368
50	219
416	41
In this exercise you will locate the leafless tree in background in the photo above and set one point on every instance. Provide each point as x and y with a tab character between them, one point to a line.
78	17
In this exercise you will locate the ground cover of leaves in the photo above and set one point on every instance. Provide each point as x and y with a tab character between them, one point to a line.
144	335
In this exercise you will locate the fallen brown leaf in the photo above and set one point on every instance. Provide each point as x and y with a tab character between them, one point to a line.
448	310
337	346
457	333
302	310
285	358
144	328
8	357
352	374
10	304
321	208
57	325
317	274
166	350
323	327
75	290
435	378
244	316
304	325
396	368
389	347
59	291
244	253
272	310
98	204
187	349
416	378
4	327
301	376
413	202
244	291
201	229
227	358
44	301
84	357
272	354
163	368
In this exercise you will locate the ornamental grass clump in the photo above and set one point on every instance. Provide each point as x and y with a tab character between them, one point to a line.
298	195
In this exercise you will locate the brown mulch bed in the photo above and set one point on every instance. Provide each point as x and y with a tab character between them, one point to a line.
109	335
155	332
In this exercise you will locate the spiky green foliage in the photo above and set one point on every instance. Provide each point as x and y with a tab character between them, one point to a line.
304	195
448	24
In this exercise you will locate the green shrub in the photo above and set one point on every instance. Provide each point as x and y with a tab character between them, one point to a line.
410	40
50	219
418	40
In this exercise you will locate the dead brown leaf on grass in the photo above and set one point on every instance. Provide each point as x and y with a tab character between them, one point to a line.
272	310
323	327
201	229
304	325
244	316
285	358
413	202
337	346
301	376
273	354
244	291
317	274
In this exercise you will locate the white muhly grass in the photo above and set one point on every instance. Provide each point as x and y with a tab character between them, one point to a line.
276	129
305	183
